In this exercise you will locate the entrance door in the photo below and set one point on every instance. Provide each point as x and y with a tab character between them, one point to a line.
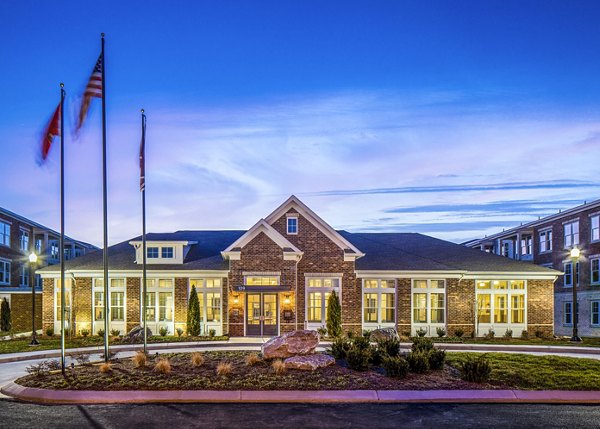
261	318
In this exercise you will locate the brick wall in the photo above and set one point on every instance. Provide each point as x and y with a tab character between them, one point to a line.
133	293
48	304
20	311
540	306
460	304
181	302
81	299
403	297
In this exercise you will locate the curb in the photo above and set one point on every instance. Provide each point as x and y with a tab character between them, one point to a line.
46	396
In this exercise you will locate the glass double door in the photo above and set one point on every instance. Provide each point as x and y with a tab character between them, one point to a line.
261	315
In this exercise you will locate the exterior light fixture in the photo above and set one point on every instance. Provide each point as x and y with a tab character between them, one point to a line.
287	300
575	254
236	300
32	266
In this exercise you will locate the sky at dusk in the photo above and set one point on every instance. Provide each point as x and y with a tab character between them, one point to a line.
450	118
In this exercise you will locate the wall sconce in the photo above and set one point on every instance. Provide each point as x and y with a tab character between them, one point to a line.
286	300
236	299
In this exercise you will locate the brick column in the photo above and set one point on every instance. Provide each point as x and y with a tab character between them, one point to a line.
181	303
403	316
133	292
81	297
540	306
460	305
48	304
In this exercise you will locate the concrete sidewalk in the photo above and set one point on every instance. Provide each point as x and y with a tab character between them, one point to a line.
286	396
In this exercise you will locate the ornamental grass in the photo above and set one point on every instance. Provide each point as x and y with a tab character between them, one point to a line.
140	359
197	359
278	367
252	359
163	366
106	368
224	369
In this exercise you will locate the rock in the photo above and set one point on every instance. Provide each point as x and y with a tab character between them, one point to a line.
137	334
384	334
302	342
309	362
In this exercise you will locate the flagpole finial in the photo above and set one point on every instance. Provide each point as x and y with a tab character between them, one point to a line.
102	35
142	111
62	85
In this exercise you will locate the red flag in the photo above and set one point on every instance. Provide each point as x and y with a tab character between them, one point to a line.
93	89
52	130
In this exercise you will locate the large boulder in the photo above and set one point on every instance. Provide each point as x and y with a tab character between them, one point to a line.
136	335
309	362
384	334
293	343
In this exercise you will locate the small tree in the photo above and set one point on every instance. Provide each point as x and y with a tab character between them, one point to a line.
5	323
193	315
334	315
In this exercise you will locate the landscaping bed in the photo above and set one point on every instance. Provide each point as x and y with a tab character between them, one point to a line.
261	376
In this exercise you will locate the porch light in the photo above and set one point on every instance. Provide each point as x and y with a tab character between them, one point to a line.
236	300
287	300
575	252
33	258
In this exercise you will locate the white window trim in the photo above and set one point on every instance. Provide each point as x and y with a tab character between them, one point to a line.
568	246
379	291
591	229
323	290
564	311
155	289
7	262
592	314
428	291
287	230
592	282
2	221
509	292
545	232
203	289
578	265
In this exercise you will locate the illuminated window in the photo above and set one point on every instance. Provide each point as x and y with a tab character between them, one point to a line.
261	281
500	301
429	301
209	297
379	301
318	290
117	306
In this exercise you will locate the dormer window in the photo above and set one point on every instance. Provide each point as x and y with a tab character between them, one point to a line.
292	225
167	252
152	252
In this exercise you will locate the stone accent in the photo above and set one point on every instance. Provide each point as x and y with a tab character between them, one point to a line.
134	304
309	362
384	334
293	343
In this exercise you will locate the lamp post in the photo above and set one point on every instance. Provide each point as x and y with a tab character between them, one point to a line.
33	262
575	253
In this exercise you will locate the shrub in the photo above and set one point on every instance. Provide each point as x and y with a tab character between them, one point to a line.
322	331
111	355
50	331
100	332
476	369
389	347
278	366
163	366
53	364
491	334
362	343
358	358
459	332
179	332
224	369
115	332
437	357
395	366
440	332
197	359
5	320
252	359
334	315
37	369
339	347
82	358
539	333
106	367
193	315
212	333
418	361
350	334
525	334
421	344
508	333
163	331
84	333
421	332
140	359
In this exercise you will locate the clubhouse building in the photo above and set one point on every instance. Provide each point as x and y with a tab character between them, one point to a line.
276	277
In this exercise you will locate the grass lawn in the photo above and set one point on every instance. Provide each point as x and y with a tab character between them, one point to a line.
508	371
587	341
538	372
50	343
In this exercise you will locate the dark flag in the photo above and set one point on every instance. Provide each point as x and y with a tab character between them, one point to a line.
93	89
52	130
142	154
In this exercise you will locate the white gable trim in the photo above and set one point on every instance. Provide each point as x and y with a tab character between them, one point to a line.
312	217
262	226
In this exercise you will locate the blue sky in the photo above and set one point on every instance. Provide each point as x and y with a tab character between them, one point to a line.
450	118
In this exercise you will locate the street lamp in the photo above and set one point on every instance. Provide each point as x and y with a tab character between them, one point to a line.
575	253
33	261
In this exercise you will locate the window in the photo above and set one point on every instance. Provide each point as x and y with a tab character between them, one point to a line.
568	313
209	297
117	306
5	234
152	252
67	253
166	252
318	291
506	246
545	241
292	225
595	228
261	281
98	306
165	306
150	307
595	271
38	245
24	275
379	297
569	274
4	272
571	233
57	300
24	240
429	301
159	300
595	312
38	281
526	245
500	301
78	252
53	248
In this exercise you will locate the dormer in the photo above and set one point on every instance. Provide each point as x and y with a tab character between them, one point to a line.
162	252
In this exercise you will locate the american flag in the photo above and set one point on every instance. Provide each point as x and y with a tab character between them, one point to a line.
51	131
93	89
142	155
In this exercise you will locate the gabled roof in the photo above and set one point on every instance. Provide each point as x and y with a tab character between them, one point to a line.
294	203
264	227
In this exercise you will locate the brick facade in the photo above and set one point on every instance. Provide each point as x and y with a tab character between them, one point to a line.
20	310
460	303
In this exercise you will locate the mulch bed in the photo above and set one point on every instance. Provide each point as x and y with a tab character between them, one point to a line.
261	376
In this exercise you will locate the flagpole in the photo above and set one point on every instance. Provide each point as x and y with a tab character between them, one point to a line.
143	186
63	300
105	209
